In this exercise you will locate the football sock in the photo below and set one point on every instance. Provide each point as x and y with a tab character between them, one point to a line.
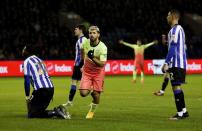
142	75
178	100
134	75
93	107
161	91
165	83
72	92
182	99
184	110
180	113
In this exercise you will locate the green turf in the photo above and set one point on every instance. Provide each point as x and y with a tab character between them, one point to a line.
124	106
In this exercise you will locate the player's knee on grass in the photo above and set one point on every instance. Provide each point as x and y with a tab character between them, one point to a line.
84	93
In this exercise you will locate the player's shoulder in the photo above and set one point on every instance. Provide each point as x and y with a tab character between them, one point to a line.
84	39
179	27
27	60
102	44
81	40
176	28
32	59
87	40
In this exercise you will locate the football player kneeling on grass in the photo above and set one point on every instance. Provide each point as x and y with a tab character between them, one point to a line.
35	73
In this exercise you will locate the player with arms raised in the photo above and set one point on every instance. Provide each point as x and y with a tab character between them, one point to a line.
139	56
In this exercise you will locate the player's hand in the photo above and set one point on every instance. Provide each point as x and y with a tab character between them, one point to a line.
121	41
164	68
27	99
91	54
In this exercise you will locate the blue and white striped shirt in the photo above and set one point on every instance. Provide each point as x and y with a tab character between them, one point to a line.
35	68
78	50
176	56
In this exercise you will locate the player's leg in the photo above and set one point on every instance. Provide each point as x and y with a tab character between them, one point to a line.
98	83
72	93
164	85
96	100
142	72
178	94
76	77
85	85
177	77
35	106
84	92
165	81
39	101
135	72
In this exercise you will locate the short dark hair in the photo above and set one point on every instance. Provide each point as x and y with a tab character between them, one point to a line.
175	12
31	49
82	27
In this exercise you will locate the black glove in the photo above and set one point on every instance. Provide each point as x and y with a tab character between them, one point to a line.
81	63
91	54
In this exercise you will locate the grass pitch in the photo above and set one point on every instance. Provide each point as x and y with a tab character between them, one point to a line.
124	106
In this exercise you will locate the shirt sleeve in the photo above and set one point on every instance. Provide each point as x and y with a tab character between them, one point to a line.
103	55
83	43
27	85
26	68
171	53
128	44
173	44
148	45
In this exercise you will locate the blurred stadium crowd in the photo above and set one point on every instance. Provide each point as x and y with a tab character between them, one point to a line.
39	22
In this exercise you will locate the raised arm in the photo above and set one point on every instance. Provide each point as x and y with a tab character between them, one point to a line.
150	44
126	44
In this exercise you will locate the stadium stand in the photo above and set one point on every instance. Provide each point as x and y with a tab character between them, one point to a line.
39	22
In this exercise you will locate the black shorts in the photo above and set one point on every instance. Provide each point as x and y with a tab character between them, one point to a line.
177	76
39	102
77	73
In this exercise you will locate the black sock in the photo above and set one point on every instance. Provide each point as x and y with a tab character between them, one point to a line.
178	101
182	100
165	83
72	92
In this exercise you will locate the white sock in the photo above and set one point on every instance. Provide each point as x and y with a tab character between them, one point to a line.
180	113
93	107
69	102
161	91
184	110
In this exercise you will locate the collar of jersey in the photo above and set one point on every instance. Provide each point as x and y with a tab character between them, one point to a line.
94	45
